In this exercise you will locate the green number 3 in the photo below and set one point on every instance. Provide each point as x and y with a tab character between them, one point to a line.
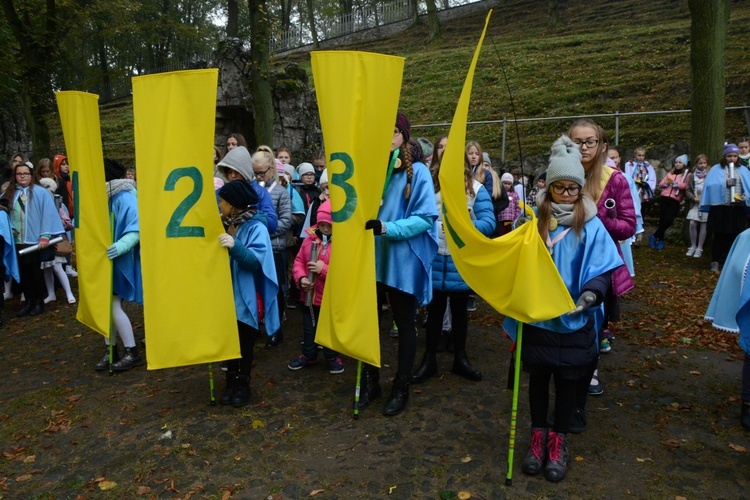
339	179
175	229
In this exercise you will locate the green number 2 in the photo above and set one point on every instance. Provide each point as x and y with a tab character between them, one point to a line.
76	200
339	179
175	229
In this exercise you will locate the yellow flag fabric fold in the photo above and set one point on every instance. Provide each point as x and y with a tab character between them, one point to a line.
79	116
187	286
358	95
513	273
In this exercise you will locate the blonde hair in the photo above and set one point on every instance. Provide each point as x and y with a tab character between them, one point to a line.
479	174
497	186
544	212
593	187
266	159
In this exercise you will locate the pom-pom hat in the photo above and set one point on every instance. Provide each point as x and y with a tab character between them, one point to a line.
565	162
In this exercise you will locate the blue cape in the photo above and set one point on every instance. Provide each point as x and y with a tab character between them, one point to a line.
247	284
723	310
714	188
41	215
10	259
743	310
405	264
127	282
579	260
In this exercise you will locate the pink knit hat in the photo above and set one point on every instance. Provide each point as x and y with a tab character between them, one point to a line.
324	212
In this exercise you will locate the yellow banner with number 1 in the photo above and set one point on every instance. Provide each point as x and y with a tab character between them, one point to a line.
79	116
358	97
187	286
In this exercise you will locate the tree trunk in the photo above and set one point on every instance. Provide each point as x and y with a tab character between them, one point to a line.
707	42
414	11
260	73
106	94
553	12
233	13
311	14
433	22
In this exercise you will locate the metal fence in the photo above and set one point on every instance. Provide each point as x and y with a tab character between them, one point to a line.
616	115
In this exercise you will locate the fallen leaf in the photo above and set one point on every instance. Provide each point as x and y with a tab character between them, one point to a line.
680	498
579	458
258	423
144	490
75	397
30	459
464	495
737	447
671	443
238	458
390	489
226	495
315	492
694	372
466	459
644	459
107	485
630	383
23	478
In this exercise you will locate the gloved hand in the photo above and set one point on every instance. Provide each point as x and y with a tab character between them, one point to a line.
118	248
226	240
378	227
585	301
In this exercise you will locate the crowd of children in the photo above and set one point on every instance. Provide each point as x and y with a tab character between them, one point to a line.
279	226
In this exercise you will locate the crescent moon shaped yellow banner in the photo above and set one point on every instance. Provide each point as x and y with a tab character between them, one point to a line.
358	97
514	273
188	303
79	116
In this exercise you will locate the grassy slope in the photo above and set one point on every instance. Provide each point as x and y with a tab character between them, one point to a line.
603	57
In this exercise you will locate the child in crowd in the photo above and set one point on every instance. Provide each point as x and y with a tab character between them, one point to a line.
626	245
698	220
565	347
474	152
500	201
319	164
519	183
56	265
8	257
284	155
320	234
673	188
729	310
541	184
743	144
307	188
130	173
643	174
253	281
507	217
125	254
65	190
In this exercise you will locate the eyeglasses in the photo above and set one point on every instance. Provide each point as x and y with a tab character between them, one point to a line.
260	175
23	174
571	190
590	143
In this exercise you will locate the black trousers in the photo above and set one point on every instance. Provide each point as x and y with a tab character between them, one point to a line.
403	308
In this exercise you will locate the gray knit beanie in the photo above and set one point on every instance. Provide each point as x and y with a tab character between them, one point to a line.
565	162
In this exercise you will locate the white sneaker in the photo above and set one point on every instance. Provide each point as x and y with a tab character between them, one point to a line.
714	267
690	252
71	300
698	252
50	298
23	298
70	271
8	296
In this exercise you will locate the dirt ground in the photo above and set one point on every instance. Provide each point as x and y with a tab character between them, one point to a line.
666	426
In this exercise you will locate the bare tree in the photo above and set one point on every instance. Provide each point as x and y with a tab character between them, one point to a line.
707	41
260	73
313	30
433	22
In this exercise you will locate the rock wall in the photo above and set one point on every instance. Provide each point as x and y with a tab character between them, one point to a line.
14	135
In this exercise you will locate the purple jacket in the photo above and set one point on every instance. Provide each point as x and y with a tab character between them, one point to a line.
620	222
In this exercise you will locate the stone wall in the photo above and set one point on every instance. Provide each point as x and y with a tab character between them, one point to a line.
14	135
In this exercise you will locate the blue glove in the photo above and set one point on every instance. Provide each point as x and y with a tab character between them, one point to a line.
117	249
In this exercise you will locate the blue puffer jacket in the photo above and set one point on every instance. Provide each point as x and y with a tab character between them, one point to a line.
445	276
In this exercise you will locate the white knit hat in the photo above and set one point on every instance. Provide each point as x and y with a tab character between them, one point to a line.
305	168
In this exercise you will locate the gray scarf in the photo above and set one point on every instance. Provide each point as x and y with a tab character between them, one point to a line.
563	212
117	185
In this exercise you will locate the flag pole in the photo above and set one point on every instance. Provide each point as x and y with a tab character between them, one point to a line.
514	407
112	338
212	401
356	390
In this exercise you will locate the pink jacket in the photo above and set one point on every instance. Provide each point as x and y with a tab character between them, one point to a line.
674	186
299	270
620	222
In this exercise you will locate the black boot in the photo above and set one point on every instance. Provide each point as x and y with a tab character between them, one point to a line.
25	310
399	396
427	369
275	339
38	308
369	387
103	364
129	360
461	366
745	415
228	394
241	396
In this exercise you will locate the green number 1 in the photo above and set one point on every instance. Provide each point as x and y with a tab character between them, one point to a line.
339	179
175	229
76	199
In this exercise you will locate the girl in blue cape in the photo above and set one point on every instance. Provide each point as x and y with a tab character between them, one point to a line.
565	347
125	254
726	214
253	281
35	221
405	245
729	309
9	267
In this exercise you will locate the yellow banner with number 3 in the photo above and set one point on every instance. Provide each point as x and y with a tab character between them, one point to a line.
187	286
358	96
79	116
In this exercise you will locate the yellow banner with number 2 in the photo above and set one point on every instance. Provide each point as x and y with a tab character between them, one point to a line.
358	97
187	286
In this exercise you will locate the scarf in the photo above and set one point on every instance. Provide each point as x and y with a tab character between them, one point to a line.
563	212
232	223
117	185
700	174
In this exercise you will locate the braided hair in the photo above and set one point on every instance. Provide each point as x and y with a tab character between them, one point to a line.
405	156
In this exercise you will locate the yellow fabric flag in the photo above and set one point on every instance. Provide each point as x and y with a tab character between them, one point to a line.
358	97
514	273
187	285
79	116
